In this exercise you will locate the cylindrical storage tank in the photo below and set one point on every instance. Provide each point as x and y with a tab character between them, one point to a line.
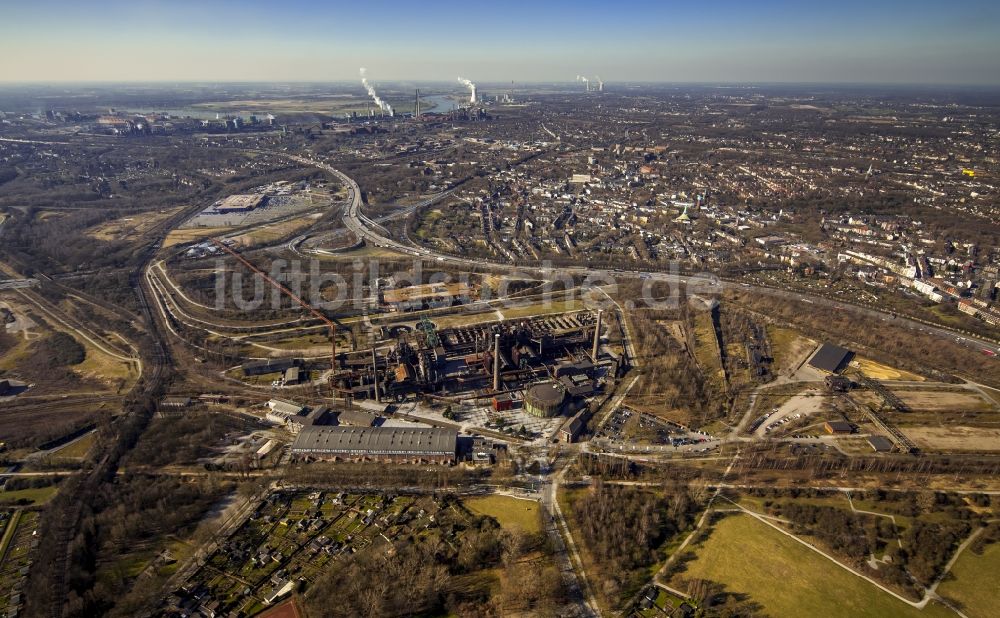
544	400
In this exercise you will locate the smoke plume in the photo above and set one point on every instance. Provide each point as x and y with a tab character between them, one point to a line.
382	105
472	89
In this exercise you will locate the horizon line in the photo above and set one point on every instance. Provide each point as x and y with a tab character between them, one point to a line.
637	82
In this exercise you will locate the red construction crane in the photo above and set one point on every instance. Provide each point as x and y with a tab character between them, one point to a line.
316	313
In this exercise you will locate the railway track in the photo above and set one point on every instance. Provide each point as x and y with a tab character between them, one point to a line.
156	359
55	404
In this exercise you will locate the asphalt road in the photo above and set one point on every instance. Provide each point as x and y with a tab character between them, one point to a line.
708	284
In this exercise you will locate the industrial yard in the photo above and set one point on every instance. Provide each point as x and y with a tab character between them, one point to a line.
475	348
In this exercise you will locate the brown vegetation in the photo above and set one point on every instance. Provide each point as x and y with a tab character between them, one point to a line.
624	528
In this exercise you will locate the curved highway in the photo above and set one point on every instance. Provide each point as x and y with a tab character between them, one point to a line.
368	230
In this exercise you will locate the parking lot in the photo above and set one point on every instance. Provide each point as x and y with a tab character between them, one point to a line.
802	405
275	207
627	426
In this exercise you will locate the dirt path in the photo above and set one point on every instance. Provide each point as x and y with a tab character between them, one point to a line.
565	547
8	534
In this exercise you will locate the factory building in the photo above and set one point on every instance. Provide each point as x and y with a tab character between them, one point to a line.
880	444
575	426
837	383
427	296
486	359
502	402
264	367
357	418
292	376
285	414
838	427
544	400
831	358
382	444
239	203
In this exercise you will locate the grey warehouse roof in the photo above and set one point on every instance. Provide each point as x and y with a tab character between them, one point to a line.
880	443
356	417
376	440
831	358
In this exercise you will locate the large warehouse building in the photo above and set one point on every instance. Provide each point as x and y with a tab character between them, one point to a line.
239	203
831	358
387	444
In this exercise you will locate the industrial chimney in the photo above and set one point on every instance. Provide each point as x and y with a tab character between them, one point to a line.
496	362
597	335
375	373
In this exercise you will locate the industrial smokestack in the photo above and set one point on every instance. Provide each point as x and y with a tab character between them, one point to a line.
382	105
586	82
375	373
597	336
472	89
496	362
600	84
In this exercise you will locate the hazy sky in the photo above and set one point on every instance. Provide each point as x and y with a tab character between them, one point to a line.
888	41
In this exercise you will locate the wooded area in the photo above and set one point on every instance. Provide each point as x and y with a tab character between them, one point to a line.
624	528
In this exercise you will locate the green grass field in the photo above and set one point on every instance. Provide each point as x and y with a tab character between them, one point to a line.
40	495
509	512
706	349
79	448
556	306
788	579
973	582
